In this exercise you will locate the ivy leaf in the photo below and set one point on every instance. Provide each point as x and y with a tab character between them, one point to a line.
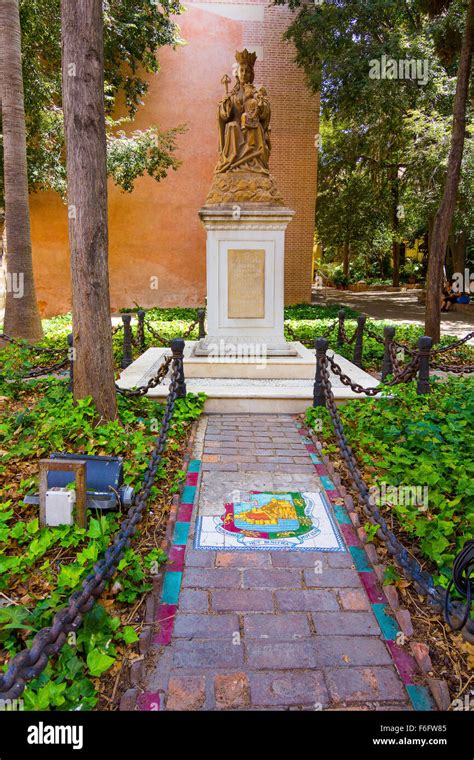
98	662
129	634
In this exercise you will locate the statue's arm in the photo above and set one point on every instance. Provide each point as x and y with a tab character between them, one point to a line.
225	109
264	110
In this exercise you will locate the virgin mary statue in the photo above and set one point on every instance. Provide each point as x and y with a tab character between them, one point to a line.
242	173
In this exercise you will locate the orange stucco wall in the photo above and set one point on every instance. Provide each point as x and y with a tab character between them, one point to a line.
155	233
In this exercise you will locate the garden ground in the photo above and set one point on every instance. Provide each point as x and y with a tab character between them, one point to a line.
399	308
399	440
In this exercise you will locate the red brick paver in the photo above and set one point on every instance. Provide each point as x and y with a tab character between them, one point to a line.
263	630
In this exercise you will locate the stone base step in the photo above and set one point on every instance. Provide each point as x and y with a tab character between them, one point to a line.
249	393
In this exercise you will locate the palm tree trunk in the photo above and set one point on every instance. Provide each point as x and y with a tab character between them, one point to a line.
22	319
444	215
84	121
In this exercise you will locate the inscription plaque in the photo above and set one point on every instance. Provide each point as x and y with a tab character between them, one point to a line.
246	284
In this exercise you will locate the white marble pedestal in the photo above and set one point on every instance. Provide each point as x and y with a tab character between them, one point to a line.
245	281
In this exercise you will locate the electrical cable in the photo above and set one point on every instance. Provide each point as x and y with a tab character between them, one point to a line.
463	581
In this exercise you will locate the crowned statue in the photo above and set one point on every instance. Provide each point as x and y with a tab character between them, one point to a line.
242	174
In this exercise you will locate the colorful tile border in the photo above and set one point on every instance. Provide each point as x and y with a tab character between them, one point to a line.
168	603
165	613
419	696
161	604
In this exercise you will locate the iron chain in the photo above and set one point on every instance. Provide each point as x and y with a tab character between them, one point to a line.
158	378
423	580
30	663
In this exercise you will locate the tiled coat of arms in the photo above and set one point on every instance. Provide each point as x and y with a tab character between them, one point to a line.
272	521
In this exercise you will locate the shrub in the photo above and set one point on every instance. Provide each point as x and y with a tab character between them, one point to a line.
411	440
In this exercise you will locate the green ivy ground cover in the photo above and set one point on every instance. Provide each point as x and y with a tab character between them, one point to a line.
306	322
39	568
417	441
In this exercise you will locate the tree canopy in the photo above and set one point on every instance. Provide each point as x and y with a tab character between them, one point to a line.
134	31
386	71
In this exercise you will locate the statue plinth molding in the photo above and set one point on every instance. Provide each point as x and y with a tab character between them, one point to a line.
245	280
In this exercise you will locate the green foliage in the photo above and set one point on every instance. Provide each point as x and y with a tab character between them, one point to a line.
417	441
307	330
142	152
384	140
53	562
316	311
134	31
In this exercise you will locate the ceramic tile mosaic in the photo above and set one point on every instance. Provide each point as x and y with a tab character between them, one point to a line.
272	521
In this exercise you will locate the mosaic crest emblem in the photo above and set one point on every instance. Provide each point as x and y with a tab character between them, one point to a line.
270	521
272	516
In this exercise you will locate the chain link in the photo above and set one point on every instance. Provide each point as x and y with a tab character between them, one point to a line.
423	580
306	341
457	369
157	336
343	334
37	349
454	345
158	378
190	329
403	377
38	371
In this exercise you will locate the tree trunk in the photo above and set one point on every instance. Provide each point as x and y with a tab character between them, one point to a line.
345	259
22	319
445	213
396	263
83	104
395	226
458	246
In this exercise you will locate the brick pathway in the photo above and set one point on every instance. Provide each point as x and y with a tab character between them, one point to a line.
262	629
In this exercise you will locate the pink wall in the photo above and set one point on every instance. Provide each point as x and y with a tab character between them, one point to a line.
155	232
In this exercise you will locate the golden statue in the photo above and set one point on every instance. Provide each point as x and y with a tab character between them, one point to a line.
242	174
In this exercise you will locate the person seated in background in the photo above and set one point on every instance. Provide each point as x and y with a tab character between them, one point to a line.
449	297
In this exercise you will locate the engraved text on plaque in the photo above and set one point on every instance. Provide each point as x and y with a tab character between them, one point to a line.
246	284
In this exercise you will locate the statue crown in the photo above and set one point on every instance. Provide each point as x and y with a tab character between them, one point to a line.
244	56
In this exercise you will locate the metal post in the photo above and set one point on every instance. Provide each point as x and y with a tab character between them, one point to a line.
127	340
340	330
358	346
70	343
177	348
202	328
387	368
319	398
424	348
141	329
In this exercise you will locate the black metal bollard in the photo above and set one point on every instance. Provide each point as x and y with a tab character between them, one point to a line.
177	348
127	340
424	348
202	327
341	315
359	340
387	368
319	397
141	329
70	343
